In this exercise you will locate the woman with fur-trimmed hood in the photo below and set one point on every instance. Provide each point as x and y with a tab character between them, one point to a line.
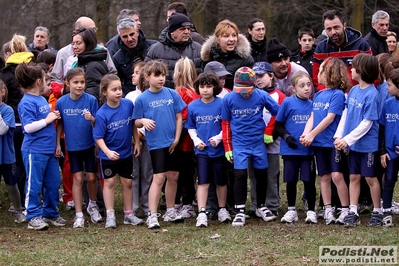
228	47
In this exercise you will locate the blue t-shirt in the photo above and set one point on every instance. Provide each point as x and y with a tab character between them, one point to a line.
325	102
33	108
115	127
162	107
294	113
383	95
390	119
78	130
7	152
206	118
363	104
245	116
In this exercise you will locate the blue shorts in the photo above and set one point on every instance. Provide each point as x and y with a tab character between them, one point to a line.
122	167
8	173
391	172
258	155
211	169
305	168
162	161
86	157
363	163
328	160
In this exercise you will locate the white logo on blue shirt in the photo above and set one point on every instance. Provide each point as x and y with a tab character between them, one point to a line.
44	108
159	103
392	117
245	112
73	112
355	103
118	124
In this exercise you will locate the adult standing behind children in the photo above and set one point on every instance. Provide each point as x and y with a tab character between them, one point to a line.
342	42
228	47
377	37
278	56
174	43
41	38
256	35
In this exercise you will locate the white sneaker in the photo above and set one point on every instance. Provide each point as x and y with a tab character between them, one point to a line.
172	216
110	221
94	213
395	207
19	217
341	217
329	216
70	205
202	220
239	220
224	215
187	211
311	217
132	219
289	217
265	214
152	221
79	222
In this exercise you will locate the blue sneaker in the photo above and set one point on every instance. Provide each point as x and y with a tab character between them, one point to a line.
351	220
376	219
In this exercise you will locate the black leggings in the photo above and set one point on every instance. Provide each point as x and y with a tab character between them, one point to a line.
240	187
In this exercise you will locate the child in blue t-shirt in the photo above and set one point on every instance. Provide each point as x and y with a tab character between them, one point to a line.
77	110
204	125
291	120
113	132
328	105
243	128
7	154
358	131
388	141
38	149
158	109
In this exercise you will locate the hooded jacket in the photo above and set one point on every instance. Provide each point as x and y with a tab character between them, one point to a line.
377	43
241	56
258	49
169	52
93	62
354	44
125	57
304	59
7	75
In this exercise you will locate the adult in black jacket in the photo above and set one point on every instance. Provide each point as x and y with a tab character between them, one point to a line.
133	48
377	37
90	57
228	47
174	43
256	36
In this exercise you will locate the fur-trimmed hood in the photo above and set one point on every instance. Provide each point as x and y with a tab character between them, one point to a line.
243	48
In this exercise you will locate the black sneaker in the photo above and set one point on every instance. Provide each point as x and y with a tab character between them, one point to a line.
351	220
376	219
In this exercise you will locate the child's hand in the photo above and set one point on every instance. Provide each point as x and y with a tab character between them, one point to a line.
87	114
137	149
229	156
201	146
384	159
112	155
340	144
173	146
306	140
52	116
148	124
58	151
291	142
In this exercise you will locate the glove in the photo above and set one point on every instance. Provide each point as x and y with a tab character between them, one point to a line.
267	139
291	142
229	155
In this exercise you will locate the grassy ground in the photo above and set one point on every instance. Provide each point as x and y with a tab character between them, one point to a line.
258	243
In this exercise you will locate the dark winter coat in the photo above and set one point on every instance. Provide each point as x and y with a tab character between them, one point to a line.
258	49
377	43
125	57
32	47
93	62
304	59
169	52
232	61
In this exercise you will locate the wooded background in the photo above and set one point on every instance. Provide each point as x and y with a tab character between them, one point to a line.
282	18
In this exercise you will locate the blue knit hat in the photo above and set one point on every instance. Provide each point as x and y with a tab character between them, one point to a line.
244	78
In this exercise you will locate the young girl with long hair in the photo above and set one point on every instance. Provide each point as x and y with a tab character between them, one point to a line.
113	132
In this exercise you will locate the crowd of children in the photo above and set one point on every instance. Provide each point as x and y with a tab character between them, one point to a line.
162	140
